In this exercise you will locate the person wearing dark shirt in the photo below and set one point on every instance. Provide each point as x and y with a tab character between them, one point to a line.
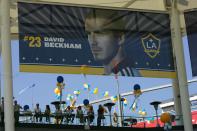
90	114
47	113
17	108
101	110
79	114
2	110
69	115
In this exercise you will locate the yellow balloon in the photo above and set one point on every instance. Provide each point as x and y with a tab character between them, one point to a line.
165	117
56	91
143	113
140	112
106	94
95	91
114	100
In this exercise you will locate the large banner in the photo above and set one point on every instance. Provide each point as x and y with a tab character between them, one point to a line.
191	27
62	39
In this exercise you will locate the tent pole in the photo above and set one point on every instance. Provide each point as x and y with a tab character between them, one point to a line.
7	66
180	64
119	103
177	102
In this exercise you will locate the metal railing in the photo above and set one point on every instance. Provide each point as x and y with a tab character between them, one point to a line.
95	120
73	119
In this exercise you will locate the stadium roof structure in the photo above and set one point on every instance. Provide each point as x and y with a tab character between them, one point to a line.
135	5
168	104
155	6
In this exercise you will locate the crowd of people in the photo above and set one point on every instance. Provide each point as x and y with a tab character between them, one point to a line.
17	108
83	114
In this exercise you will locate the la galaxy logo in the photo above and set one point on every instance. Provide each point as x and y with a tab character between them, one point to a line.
151	45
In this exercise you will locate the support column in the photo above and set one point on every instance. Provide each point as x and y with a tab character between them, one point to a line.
177	102
180	64
0	50
7	66
119	104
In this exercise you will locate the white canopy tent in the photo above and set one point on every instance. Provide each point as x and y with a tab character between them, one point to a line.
174	7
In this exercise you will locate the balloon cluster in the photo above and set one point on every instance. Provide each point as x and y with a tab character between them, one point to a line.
137	92
26	107
69	97
86	102
72	105
95	91
77	93
125	103
86	86
60	85
166	119
106	94
142	112
114	99
57	92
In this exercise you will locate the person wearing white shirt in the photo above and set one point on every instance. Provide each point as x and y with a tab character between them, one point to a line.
38	113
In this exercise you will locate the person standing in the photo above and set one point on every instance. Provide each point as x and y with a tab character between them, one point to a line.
58	115
47	113
17	108
79	114
2	110
38	113
90	114
69	114
101	110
